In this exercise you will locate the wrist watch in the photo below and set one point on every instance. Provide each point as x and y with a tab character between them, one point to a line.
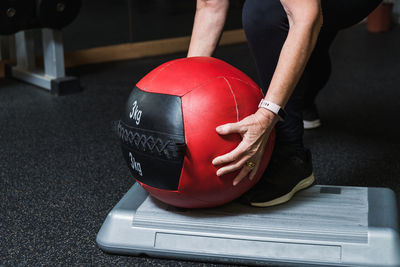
274	108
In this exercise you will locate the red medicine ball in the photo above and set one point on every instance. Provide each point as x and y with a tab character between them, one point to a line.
168	131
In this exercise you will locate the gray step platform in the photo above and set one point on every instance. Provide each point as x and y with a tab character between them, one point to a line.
323	225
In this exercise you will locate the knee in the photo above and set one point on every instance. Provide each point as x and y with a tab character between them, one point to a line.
260	17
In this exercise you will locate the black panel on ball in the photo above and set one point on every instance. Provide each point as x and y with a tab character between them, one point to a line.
152	136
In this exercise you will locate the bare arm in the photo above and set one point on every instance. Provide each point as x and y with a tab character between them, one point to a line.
208	24
305	21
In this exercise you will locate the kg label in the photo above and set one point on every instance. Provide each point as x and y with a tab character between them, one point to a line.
136	113
135	165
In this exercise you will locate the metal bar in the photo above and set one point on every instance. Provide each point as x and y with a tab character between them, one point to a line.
53	53
25	50
33	77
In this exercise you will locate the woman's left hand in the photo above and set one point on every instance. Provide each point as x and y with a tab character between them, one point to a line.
255	130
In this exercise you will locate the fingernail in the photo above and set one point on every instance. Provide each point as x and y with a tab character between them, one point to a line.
220	128
235	183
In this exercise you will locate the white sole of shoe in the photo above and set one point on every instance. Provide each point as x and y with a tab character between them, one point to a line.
311	124
303	184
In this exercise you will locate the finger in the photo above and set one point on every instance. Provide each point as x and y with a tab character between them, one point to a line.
233	167
259	157
229	128
255	170
231	156
242	174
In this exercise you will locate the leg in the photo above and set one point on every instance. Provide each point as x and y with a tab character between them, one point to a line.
318	70
315	76
337	15
266	27
290	170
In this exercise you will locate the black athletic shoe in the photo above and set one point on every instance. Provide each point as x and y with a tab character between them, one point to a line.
311	118
287	173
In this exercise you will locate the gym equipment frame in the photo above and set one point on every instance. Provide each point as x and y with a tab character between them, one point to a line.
52	77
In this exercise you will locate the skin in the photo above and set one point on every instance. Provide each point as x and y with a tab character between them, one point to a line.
305	21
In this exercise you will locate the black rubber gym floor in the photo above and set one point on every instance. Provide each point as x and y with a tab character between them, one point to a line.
61	168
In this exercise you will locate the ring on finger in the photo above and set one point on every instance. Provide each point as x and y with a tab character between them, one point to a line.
250	164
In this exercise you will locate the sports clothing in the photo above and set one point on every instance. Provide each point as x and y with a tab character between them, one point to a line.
266	26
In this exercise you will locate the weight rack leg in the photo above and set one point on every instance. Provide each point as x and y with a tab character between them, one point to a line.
53	53
25	50
52	76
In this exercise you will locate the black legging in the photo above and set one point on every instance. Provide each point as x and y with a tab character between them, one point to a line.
266	26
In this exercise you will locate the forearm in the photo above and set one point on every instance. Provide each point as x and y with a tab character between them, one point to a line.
305	21
294	55
207	28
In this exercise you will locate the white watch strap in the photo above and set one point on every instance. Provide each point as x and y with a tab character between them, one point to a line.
274	108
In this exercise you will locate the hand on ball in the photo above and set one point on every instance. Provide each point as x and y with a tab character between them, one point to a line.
255	130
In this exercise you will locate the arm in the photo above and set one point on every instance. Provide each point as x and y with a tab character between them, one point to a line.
305	20
208	24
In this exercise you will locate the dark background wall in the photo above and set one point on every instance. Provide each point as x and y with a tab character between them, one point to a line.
105	22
